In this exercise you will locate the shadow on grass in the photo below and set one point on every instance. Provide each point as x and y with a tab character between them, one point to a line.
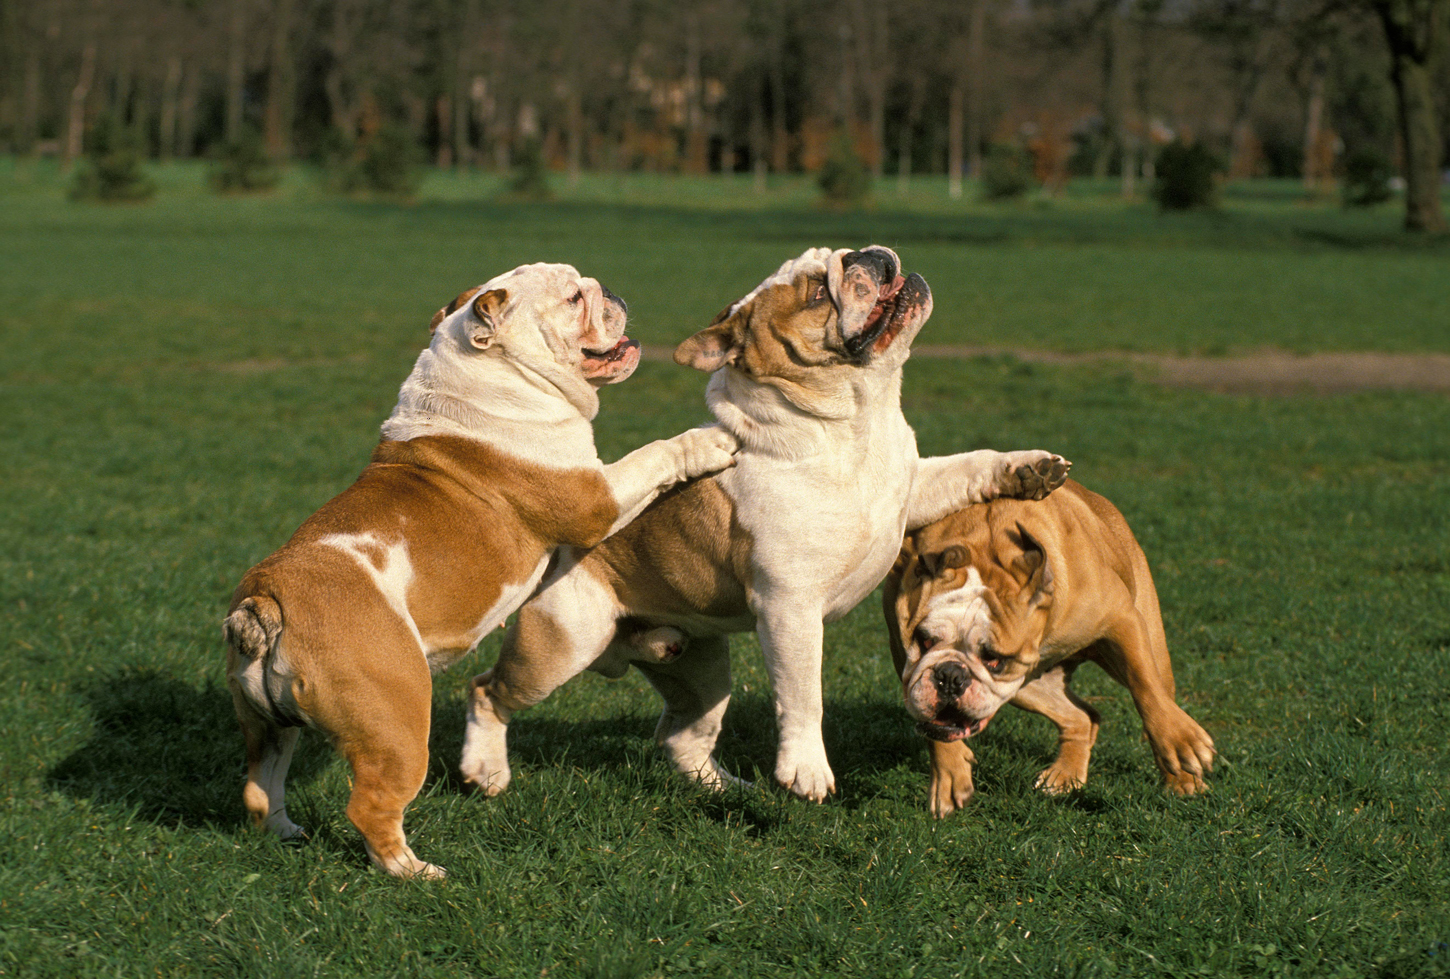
172	751
168	749
864	738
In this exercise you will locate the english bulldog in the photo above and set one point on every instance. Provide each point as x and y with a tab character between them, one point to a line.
1000	603
806	373
485	467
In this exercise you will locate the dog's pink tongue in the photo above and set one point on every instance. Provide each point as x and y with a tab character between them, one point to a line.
885	296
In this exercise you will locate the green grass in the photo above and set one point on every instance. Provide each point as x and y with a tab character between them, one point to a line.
186	381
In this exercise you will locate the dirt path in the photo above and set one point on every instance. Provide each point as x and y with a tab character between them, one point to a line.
1270	372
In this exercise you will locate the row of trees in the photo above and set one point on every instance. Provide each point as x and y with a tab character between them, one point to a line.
1088	86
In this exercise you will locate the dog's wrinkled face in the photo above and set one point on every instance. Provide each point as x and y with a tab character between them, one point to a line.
971	623
545	316
823	309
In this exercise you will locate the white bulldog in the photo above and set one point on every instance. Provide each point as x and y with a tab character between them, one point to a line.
486	466
807	375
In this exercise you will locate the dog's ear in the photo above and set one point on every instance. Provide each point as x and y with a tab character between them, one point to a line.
949	559
716	346
1033	564
486	310
452	307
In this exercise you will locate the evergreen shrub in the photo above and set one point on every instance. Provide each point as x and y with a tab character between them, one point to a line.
1185	177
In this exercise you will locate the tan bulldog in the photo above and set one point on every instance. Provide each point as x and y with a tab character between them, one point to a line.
1000	603
806	372
486	466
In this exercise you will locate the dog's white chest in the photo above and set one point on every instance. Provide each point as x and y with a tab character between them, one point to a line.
825	528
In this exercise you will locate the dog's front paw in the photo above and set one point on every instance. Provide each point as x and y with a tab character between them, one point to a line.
705	450
805	773
1032	474
1186	757
1056	779
951	777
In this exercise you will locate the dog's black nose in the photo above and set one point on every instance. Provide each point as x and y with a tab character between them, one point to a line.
952	681
610	297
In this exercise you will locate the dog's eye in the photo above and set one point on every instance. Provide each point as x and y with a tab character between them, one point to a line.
820	294
994	663
577	298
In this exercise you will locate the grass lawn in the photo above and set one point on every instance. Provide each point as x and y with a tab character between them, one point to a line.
185	381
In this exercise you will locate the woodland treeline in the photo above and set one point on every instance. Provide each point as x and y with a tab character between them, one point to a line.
1089	87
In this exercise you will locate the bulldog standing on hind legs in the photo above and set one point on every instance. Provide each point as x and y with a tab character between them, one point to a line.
1000	603
807	375
486	466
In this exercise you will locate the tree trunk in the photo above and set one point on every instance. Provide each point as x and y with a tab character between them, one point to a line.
443	113
574	138
30	101
1108	108
76	128
1412	28
1312	121
186	113
779	125
696	151
281	84
908	125
236	69
463	100
956	99
170	95
977	46
758	141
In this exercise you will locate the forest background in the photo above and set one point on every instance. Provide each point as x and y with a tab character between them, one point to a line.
1321	90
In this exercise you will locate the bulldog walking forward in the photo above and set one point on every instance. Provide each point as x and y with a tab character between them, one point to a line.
486	466
1000	603
807	375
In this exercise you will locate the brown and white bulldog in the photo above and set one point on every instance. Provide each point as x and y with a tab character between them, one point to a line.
486	466
807	375
1000	603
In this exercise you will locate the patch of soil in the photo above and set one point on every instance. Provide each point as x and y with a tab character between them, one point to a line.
1271	372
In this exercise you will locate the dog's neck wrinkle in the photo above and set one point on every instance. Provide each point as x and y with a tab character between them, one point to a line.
762	415
437	400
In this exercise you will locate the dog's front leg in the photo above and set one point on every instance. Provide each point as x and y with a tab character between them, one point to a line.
791	636
640	477
946	484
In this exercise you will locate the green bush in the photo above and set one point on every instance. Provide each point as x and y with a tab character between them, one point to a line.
243	166
531	174
1185	177
111	170
1367	174
843	178
1006	172
382	162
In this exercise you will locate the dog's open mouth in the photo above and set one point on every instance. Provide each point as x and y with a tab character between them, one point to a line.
952	725
887	318
622	358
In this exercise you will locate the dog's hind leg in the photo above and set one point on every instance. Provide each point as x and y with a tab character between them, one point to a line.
1077	725
556	637
386	743
269	753
696	691
1181	747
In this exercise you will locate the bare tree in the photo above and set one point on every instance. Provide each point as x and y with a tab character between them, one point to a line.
1414	30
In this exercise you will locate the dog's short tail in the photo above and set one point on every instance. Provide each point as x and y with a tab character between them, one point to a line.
253	631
